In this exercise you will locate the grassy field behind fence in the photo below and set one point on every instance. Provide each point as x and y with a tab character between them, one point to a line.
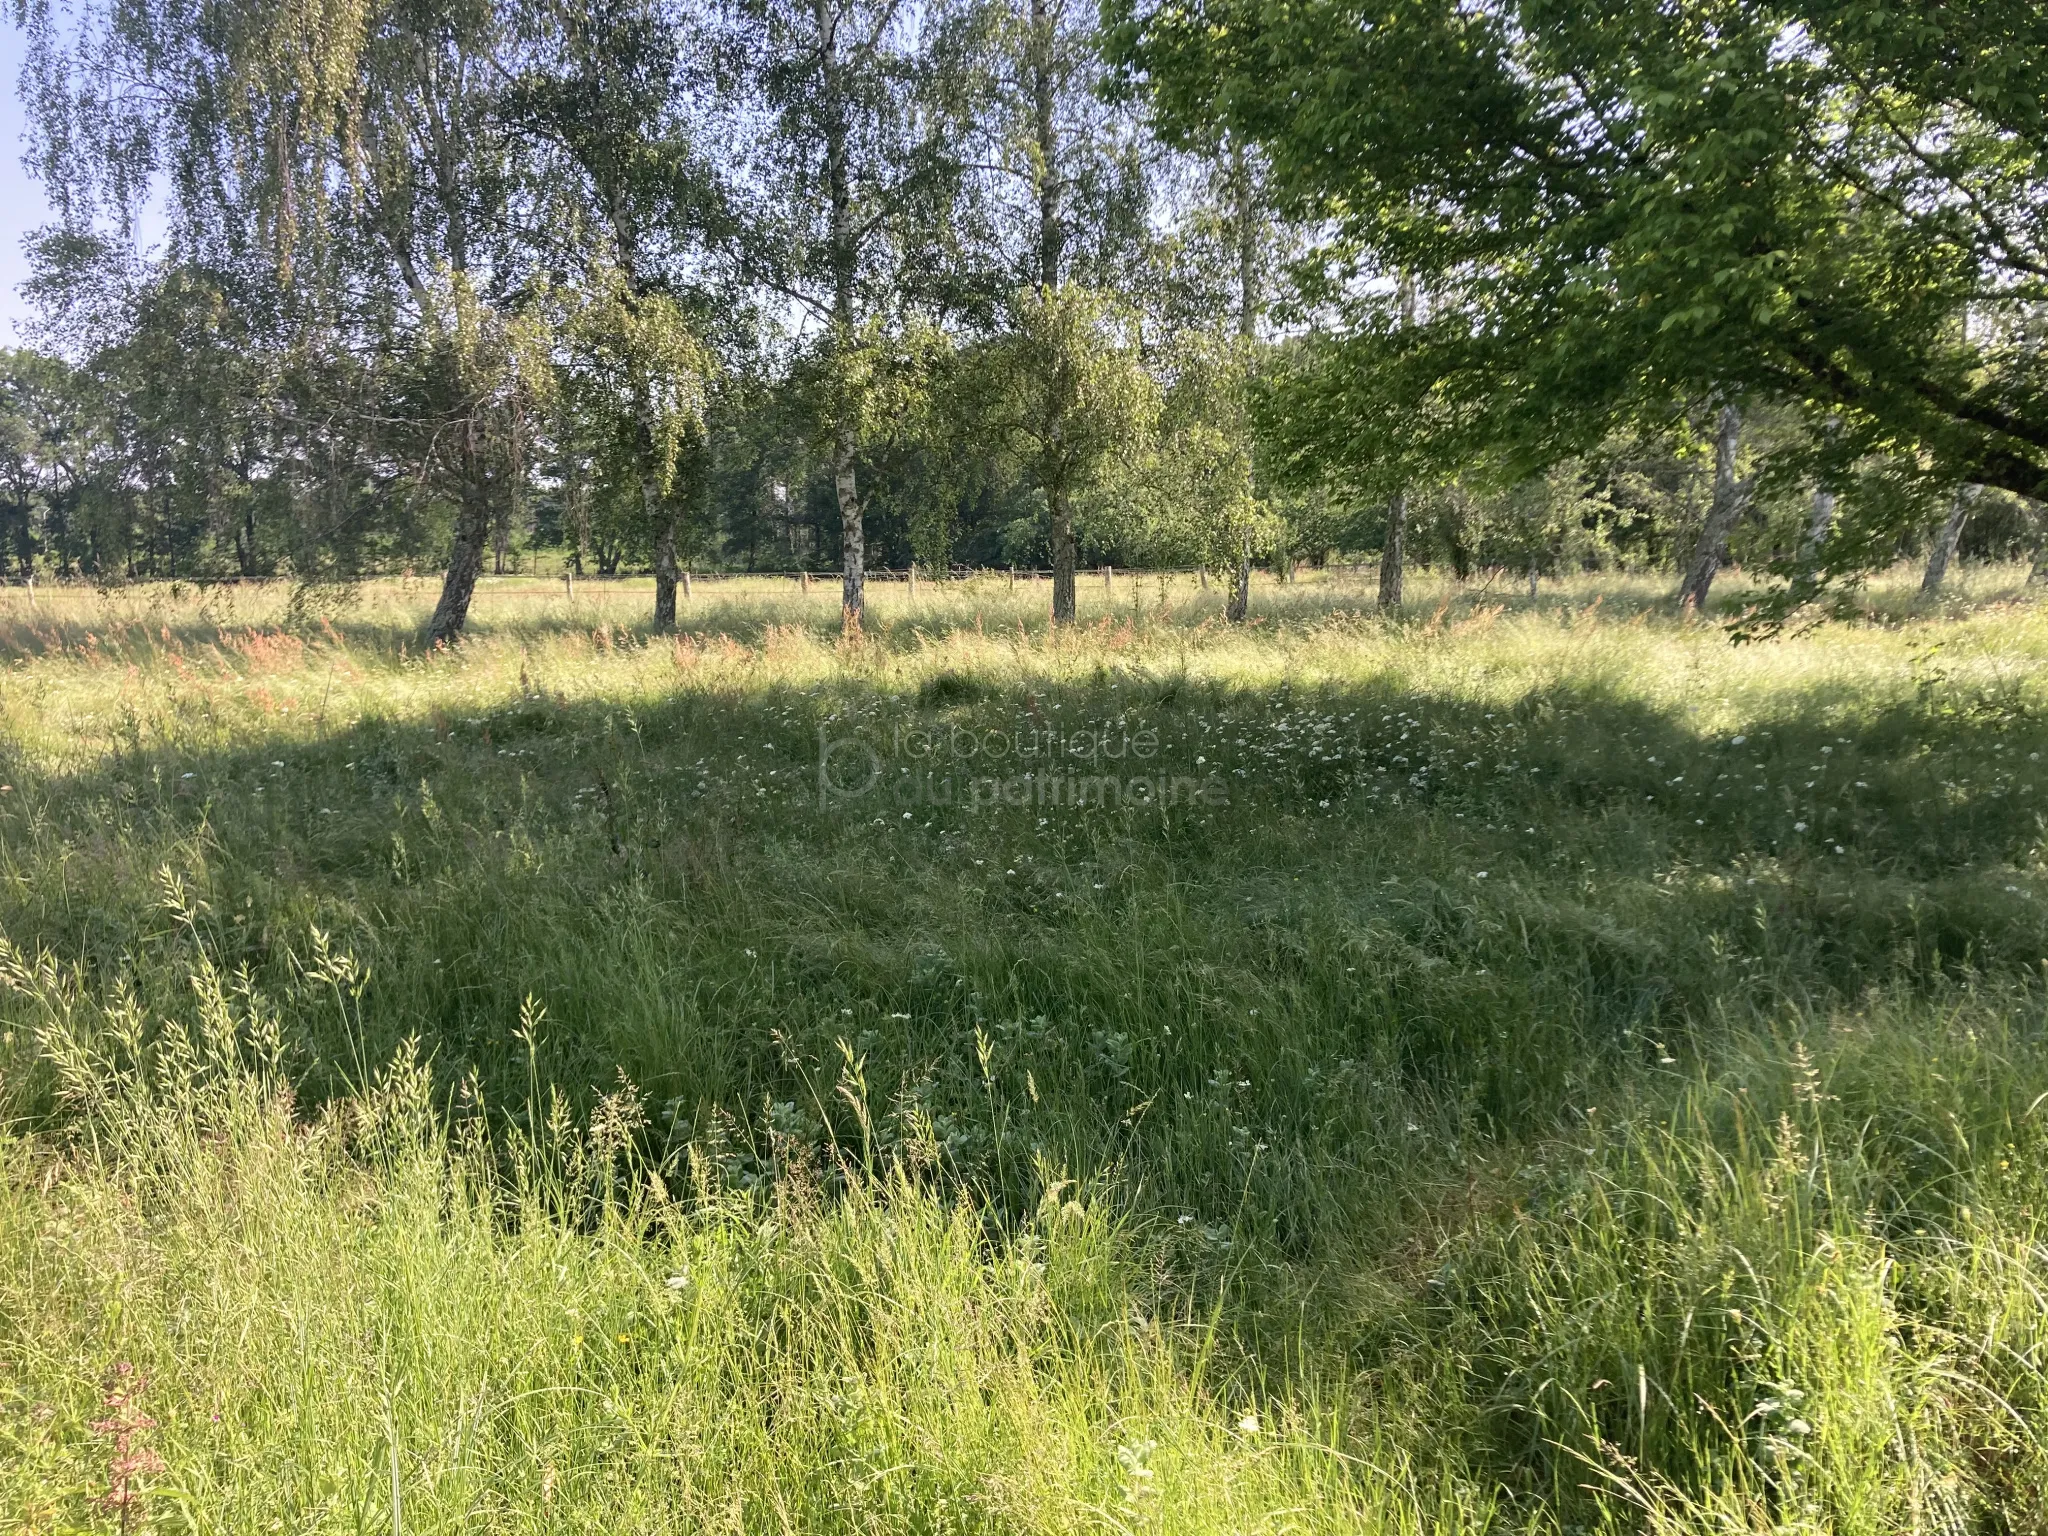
1524	1066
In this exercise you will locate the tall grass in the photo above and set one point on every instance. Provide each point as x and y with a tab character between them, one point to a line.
1571	1074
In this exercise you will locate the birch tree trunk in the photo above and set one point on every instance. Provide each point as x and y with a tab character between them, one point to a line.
1247	243
1239	605
844	257
466	557
1052	230
245	538
1062	553
1722	513
1042	64
1392	555
1951	534
665	565
1820	523
852	536
446	173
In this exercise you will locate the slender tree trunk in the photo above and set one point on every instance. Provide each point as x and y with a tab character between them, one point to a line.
665	572
466	558
245	526
1393	554
1533	589
1062	553
843	250
1237	606
1820	520
579	519
474	513
1721	515
1247	242
1044	65
658	499
658	504
2039	571
513	513
852	536
1819	524
1945	542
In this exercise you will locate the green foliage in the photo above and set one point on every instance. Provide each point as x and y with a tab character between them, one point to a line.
1472	249
1065	398
1548	523
639	381
1205	507
1611	209
474	379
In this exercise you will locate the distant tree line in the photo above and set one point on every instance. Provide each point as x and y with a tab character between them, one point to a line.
842	284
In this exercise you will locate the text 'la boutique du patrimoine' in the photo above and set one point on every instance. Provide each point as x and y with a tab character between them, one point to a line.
1047	767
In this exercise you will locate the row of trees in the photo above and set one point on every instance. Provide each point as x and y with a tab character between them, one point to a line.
776	282
640	276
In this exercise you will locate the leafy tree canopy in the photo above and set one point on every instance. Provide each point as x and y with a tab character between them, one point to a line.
1613	206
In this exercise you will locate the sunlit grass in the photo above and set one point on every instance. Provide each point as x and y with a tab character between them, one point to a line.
1568	1072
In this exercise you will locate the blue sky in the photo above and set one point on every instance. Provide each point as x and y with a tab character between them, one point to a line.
22	207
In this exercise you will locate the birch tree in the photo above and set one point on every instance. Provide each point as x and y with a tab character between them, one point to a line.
355	151
869	106
1064	170
1068	402
1942	552
1722	513
613	90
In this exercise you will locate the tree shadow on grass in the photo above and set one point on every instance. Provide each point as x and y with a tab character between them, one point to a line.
1270	1019
1357	901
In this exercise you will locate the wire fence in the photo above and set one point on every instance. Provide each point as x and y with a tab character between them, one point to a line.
564	572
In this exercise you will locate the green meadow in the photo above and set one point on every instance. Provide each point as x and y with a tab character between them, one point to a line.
1523	1066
